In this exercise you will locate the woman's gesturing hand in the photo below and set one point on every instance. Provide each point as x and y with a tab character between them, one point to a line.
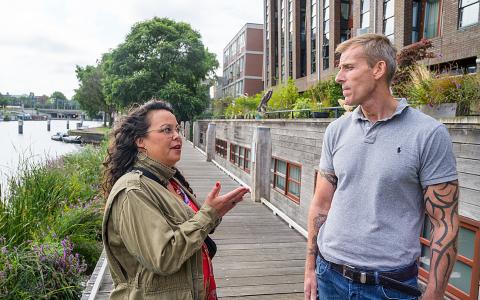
225	202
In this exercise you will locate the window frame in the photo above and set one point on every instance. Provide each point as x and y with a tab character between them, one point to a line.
474	263
460	13
386	19
363	13
326	35
221	147
422	10
238	158
285	192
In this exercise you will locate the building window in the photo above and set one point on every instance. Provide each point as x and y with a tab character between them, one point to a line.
464	282
267	42
388	19
468	12
364	13
346	21
240	156
303	39
326	32
287	178
282	39
313	36
426	18
290	38
221	147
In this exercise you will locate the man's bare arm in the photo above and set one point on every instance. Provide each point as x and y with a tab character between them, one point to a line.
441	203
326	185
317	215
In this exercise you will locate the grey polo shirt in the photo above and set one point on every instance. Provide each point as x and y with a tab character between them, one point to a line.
378	209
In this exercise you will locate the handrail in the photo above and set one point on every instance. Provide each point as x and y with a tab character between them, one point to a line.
308	112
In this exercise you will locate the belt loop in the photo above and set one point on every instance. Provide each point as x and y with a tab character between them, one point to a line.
376	277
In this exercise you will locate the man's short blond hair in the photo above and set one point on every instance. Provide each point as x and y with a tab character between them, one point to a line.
376	47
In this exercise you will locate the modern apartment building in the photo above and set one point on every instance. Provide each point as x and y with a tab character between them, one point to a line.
301	35
242	62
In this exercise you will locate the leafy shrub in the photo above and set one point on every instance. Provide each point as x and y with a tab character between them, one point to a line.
284	97
327	92
50	221
43	271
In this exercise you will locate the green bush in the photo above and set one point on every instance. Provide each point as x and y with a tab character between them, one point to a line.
41	271
284	97
243	106
425	87
327	92
51	215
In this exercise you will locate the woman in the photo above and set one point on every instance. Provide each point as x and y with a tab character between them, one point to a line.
153	228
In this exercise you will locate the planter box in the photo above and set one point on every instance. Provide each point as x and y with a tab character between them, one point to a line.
320	114
444	110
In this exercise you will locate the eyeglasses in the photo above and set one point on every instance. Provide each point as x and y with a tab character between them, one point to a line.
167	130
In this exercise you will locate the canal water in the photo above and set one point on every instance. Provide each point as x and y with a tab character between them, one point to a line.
33	146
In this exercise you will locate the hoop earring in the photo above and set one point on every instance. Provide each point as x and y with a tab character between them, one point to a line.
142	155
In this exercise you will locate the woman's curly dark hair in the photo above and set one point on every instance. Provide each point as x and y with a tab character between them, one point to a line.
122	150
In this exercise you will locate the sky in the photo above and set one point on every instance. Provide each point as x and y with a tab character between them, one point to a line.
41	41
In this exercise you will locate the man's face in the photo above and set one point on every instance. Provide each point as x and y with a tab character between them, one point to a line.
355	76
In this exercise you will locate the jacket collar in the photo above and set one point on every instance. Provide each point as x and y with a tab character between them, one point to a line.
163	172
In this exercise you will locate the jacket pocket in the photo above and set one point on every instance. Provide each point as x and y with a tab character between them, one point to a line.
184	294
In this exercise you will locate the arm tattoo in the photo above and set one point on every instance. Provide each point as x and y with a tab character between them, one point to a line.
317	223
442	207
330	178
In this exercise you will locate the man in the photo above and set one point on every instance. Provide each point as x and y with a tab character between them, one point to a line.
382	167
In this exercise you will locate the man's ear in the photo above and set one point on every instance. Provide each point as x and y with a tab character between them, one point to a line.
379	69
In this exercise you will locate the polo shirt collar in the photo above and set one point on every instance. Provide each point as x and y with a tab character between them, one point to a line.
357	114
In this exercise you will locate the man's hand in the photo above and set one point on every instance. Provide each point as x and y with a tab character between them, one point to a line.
441	202
310	285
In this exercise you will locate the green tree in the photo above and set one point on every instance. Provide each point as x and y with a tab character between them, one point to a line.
157	56
58	95
186	104
90	91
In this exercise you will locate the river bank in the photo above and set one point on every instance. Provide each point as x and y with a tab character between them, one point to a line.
50	226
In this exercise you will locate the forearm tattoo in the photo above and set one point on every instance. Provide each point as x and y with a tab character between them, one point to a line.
330	178
317	223
442	207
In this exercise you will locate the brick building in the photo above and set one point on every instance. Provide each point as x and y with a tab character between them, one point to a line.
301	35
242	62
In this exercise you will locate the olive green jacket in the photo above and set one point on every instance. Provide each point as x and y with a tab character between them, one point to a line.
152	239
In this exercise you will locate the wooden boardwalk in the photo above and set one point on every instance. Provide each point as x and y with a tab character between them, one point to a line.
258	257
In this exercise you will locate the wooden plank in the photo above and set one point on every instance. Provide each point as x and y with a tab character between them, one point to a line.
297	296
287	271
471	151
466	135
300	251
259	256
261	289
467	165
297	255
469	181
260	280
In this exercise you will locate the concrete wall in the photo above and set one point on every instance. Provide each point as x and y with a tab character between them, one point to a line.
300	142
465	133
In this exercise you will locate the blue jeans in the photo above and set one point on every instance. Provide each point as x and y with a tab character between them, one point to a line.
331	285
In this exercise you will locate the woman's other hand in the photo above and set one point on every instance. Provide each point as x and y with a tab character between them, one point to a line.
226	202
